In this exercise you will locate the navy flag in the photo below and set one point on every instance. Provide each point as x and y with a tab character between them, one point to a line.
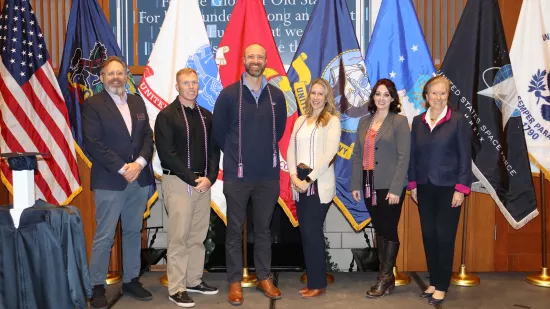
402	56
329	49
478	66
89	42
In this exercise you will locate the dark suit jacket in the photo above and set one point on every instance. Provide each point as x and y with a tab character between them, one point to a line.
442	156
109	144
391	156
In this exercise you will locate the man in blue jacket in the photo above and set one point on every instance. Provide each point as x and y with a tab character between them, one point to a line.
248	122
119	140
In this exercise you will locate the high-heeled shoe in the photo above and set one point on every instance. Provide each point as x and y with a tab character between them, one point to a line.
426	295
434	301
385	282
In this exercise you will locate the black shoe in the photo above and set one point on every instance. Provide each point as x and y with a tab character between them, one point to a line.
99	301
203	288
426	295
135	290
182	299
434	301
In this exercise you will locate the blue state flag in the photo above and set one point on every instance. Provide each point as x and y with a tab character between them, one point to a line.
329	49
398	51
89	42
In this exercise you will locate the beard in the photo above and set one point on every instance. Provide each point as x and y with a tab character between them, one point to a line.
254	72
117	90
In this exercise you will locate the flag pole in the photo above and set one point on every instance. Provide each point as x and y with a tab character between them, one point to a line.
542	278
248	280
462	278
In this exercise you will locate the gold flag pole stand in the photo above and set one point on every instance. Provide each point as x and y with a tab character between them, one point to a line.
401	279
249	280
462	278
164	280
542	278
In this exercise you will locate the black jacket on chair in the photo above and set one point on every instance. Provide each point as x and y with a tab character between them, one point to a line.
442	156
109	144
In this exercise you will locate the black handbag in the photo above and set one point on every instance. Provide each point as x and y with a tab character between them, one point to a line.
366	258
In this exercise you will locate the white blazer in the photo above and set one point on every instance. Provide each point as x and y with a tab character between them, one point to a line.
325	151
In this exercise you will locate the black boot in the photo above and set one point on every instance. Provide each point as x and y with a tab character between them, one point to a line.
380	247
99	301
386	281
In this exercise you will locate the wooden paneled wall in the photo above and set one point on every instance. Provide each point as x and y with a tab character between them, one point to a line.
492	245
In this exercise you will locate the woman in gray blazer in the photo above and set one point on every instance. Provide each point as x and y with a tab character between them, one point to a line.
379	171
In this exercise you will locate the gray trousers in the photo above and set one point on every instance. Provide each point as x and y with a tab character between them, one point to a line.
263	195
128	204
188	221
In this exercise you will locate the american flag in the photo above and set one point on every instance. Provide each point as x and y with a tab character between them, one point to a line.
34	115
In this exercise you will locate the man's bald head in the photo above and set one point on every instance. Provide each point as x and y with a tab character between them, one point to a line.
255	49
255	59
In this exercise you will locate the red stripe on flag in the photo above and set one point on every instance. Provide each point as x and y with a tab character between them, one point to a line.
57	100
39	143
47	119
14	146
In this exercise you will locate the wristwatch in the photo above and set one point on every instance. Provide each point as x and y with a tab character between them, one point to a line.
309	180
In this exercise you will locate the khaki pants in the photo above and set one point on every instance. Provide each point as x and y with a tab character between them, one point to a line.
188	220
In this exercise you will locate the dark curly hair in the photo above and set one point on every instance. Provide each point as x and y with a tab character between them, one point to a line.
395	106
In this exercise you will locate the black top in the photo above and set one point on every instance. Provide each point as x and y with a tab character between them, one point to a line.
171	142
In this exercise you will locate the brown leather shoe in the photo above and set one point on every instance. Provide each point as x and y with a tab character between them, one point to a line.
269	289
303	290
235	295
313	293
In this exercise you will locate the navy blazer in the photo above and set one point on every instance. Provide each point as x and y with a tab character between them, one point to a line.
442	156
110	145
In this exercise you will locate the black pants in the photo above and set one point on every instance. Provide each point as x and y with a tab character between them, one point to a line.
311	216
263	195
439	222
385	217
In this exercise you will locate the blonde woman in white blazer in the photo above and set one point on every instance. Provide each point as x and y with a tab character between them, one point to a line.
313	145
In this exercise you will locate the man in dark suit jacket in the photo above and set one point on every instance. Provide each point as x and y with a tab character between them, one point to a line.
119	141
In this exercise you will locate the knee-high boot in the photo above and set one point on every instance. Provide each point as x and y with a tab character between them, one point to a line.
386	281
380	247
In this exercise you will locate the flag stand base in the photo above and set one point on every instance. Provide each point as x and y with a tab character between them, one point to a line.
462	278
401	279
540	279
164	280
113	277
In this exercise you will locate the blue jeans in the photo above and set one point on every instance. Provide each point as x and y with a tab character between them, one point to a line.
128	204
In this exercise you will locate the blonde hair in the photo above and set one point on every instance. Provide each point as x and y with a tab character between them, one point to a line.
186	71
330	107
432	81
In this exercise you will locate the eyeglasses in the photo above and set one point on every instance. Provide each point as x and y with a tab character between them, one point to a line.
190	83
113	73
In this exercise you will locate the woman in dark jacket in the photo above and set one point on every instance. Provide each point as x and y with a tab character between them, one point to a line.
379	169
439	177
